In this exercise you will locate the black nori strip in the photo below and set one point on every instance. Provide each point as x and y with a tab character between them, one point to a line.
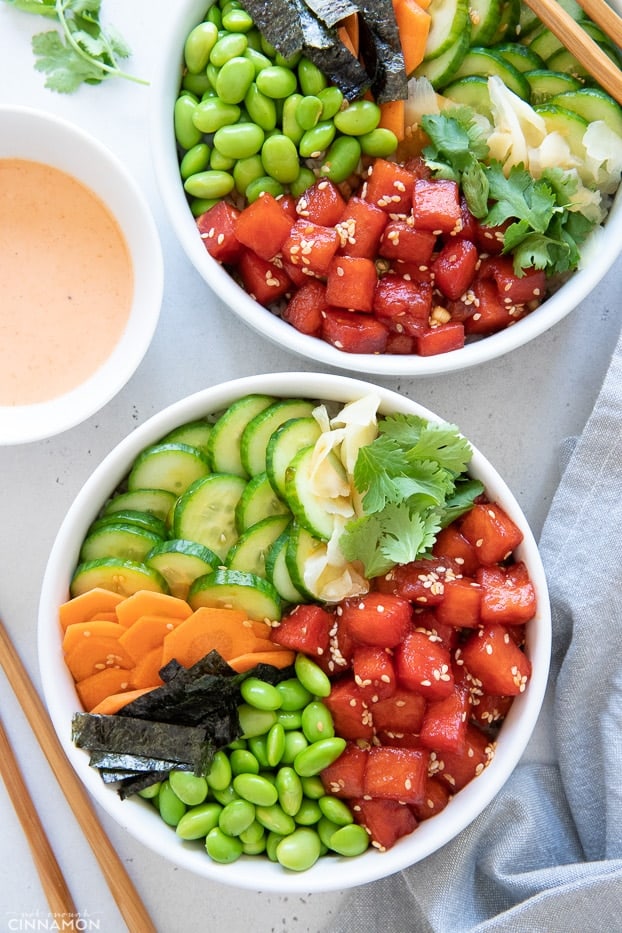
332	12
134	763
110	776
163	740
133	785
278	22
381	50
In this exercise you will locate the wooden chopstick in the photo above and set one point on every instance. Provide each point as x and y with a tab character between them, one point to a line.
576	40
54	885
605	17
128	901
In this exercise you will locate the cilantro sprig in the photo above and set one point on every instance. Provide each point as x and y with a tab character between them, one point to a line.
542	232
82	52
412	482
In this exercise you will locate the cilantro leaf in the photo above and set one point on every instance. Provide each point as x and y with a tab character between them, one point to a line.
362	540
376	465
408	535
65	69
521	196
461	500
444	444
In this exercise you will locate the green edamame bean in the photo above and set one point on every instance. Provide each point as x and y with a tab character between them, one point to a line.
236	816
237	20
312	787
349	840
253	37
272	841
315	141
226	795
342	159
219	162
245	171
280	158
267	48
214	15
325	829
305	179
258	746
309	111
310	78
170	806
197	822
237	744
379	143
200	42
275	744
293	695
212	74
254	848
229	45
253	833
222	848
256	789
186	133
289	788
197	84
261	109
289	718
243	762
289	124
219	775
195	160
361	116
260	694
151	792
253	721
263	184
190	788
198	206
234	79
308	812
332	99
212	113
294	743
335	810
259	60
209	184
299	850
311	676
276	81
318	755
274	819
317	722
288	61
240	140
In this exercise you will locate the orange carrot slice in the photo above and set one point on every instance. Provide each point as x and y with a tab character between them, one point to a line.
392	117
112	703
87	605
413	23
209	628
77	631
245	662
146	633
147	602
147	670
95	688
95	654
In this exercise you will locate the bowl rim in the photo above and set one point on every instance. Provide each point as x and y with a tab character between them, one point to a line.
64	146
600	252
144	824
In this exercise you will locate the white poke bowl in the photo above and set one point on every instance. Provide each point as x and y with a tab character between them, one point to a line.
137	816
599	253
35	136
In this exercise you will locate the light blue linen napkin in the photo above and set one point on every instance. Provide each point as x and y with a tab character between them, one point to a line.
546	855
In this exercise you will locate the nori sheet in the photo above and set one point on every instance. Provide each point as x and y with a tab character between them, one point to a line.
331	12
382	51
126	735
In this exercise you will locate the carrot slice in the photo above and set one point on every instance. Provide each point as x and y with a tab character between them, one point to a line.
392	117
111	704
77	631
348	32
95	654
146	633
147	670
209	628
245	662
95	688
413	23
85	606
147	602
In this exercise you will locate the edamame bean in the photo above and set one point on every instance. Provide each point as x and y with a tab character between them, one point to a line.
379	143
342	159
349	840
361	116
236	817
200	42
275	744
170	806
280	158
299	850
259	60
213	15
209	184
229	45
310	78
256	789
289	718
275	820
195	160
289	788
335	810
261	109
267	48
245	171
260	694
272	841
290	125
309	111
315	141
219	774
240	140
222	848
293	695
263	184
288	61
190	788
212	113
253	833
276	81
317	722
226	795
305	179
219	162
237	20
318	755
332	99
197	84
212	74
243	762
308	813
197	822
198	206
312	787
186	133
325	829
294	743
258	746
254	722
151	792
234	79
311	676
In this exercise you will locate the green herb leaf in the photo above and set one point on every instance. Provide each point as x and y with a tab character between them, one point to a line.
65	69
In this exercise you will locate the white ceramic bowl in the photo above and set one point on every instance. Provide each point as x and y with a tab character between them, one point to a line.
41	137
602	252
136	815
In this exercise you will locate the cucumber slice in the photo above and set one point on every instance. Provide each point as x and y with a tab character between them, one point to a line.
283	446
168	466
278	574
545	84
470	92
235	589
485	16
568	124
449	20
521	56
181	563
591	103
545	44
440	71
194	433
206	512
528	22
563	60
482	61
113	573
258	501
310	510
118	539
301	548
224	442
509	24
158	502
250	550
133	517
257	433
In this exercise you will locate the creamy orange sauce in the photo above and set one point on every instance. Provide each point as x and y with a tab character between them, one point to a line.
66	282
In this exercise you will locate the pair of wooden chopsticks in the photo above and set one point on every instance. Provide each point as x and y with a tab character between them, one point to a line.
56	890
582	46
